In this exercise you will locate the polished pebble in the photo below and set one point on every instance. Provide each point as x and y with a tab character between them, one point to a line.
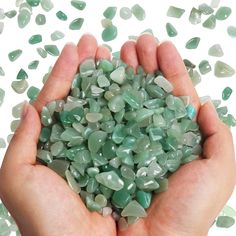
226	93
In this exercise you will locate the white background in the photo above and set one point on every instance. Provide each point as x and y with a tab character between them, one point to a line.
14	38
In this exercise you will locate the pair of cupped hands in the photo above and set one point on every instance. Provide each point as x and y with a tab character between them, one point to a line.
42	203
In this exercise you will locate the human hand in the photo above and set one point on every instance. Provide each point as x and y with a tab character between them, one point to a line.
198	190
40	201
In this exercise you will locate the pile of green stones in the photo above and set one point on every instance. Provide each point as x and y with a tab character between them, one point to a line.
118	136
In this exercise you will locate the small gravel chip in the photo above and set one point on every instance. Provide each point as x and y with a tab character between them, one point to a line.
11	14
226	93
125	13
225	221
231	30
2	95
76	24
216	51
205	9
42	52
110	12
210	22
19	86
204	67
138	12
223	13
33	3
175	12
56	35
33	65
80	5
2	72
193	43
109	33
47	5
61	16
34	39
52	50
170	29
195	16
40	19
2	143
15	54
223	70
22	75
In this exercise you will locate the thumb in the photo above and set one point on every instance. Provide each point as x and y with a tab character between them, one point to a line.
23	146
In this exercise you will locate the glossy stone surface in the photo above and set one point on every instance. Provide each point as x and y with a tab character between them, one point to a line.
193	43
164	83
170	29
11	14
19	86
223	13
138	12
80	5
22	75
205	9
42	52
175	12
2	143
96	140
61	16
195	16
134	209
110	12
72	182
223	70
76	24
144	198
204	67
44	156
33	3
125	13
33	65
23	18
1	27
15	54
40	19
110	180
226	93
33	92
210	22
52	50
231	30
2	95
225	221
34	39
60	167
109	33
56	35
47	5
216	51
16	110
121	198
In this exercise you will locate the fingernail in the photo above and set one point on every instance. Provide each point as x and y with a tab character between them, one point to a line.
24	110
204	99
71	44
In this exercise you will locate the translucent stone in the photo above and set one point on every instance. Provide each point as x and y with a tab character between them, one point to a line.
2	95
216	51
52	50
56	35
103	81
44	155
16	110
56	147
133	98
92	171
193	43
138	12
61	16
19	86
163	83
144	198
5	229
223	70
215	3
33	3
2	16
205	9
191	111
105	65
80	5
33	65
93	117
133	209
96	140
92	205
195	16
11	14
101	200
210	22
47	5
15	54
226	93
23	18
225	221
229	211
2	143
109	33
42	52
22	75
76	24
2	72
14	125
33	93
60	167
92	186
146	183
106	23
1	27
175	12
204	67
154	169
110	180
170	29
40	19
106	211
223	13
231	31
189	64
116	103
72	182
122	224
87	67
125	13
127	172
46	118
110	12
143	114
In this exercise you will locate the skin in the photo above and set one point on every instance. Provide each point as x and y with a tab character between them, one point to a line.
42	203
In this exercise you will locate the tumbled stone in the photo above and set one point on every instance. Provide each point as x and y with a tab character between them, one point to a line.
37	38
101	200
226	93
80	5
76	24
56	35
15	54
175	12
205	9
33	3
46	118
215	3
45	135
204	67
216	51
44	155
11	14
110	12
42	52
96	140
231	31
134	209
33	65
61	16
22	75
40	19
2	143
164	83
33	93
125	13
109	33
210	22
223	13
223	70
52	50
170	29
193	43
2	95
19	86
225	221
23	18
72	182
60	167
16	110
121	198
47	5
195	16
138	12
1	26
144	198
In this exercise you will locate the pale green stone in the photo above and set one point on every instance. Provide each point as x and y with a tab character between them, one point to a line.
144	198
2	16
146	183
57	148
134	209
14	125
106	23
110	12
56	35
19	86
16	110
11	14
127	172
103	81
22	75
122	224
47	5
23	18
175	12
2	143
170	29
46	118
72	182
92	171
1	26
96	140
226	93
80	5
44	156
225	221
52	50
87	67
118	75
125	13
76	24
37	38
116	103
231	31
192	43
33	93
2	95
223	70
195	16
33	65
60	167
61	16
33	3
121	198
216	51
205	9
92	205
223	13
133	98
42	52
204	67
40	19
215	3
229	211
109	33
92	185
210	22
138	12
101	200
93	117
15	54
5	229
110	180
143	114
164	83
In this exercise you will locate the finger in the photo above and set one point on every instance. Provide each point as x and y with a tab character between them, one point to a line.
102	53
60	79
23	146
173	68
128	54
87	47
218	138
146	50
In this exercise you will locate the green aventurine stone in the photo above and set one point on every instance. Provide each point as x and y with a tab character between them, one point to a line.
215	51
47	5
45	134
11	14
92	205
87	68
116	103
143	114
121	198
19	86
40	19
5	229
101	200
109	33
59	166
146	183
118	75
210	22
226	93
133	98
175	12
46	118
231	31
205	9
223	13
76	24
2	72
2	143
193	43
229	211
110	180
215	3
225	221
223	70
33	65
110	12
57	147
125	13
23	18
52	50
2	95
61	16
138	12
44	155
134	209
96	140
56	35
16	110
37	38
33	3
204	67
1	26
170	29
106	22
33	93
144	198
80	5
42	52
195	16
105	65
72	182
14	54
22	75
